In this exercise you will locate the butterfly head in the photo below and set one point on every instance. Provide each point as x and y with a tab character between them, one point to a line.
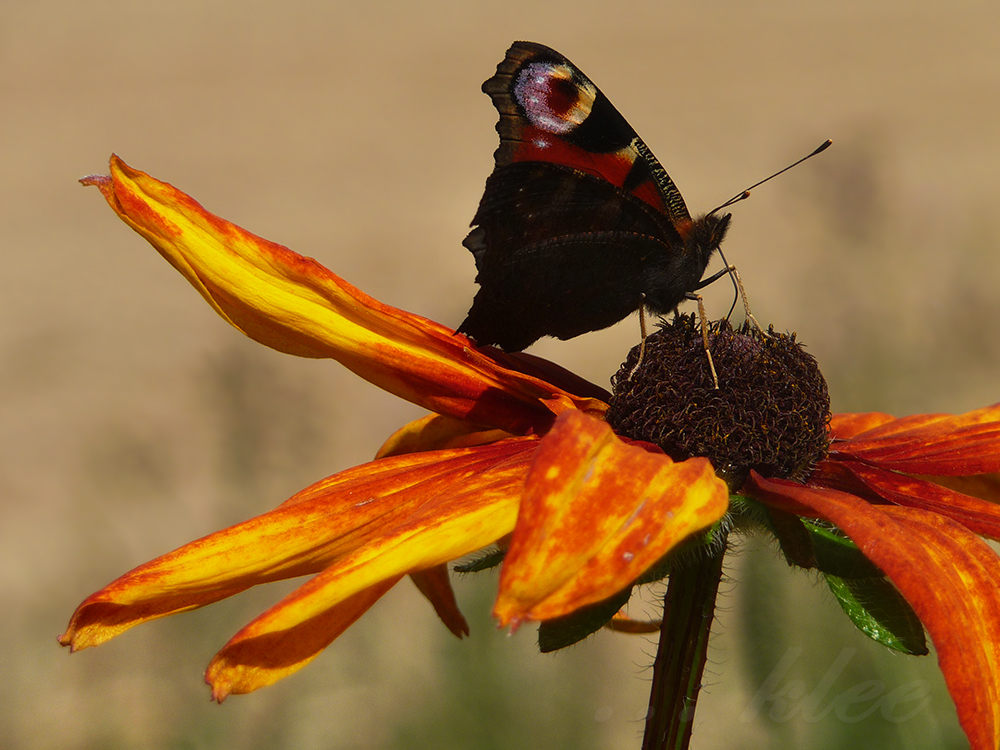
706	235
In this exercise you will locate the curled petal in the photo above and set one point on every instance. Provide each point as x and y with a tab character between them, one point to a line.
622	623
464	518
948	575
596	513
935	444
293	304
304	535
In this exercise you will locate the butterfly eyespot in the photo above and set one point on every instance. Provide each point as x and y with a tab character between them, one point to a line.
553	99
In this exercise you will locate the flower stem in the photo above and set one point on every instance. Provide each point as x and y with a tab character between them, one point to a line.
689	607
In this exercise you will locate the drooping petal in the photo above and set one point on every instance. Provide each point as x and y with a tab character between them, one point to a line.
435	584
293	304
458	520
596	513
935	444
949	575
305	534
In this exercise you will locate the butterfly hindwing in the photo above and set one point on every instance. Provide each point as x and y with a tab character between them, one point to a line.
532	280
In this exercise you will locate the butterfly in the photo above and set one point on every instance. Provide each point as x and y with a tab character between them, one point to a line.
579	224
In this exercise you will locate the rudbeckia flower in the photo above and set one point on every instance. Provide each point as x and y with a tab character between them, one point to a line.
582	499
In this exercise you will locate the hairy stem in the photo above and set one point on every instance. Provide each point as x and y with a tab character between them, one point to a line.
689	607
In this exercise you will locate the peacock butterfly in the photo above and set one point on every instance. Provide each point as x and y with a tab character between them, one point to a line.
579	225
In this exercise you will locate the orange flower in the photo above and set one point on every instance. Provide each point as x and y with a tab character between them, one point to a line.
913	494
503	427
516	451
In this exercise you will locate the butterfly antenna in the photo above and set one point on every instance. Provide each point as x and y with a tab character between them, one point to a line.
744	194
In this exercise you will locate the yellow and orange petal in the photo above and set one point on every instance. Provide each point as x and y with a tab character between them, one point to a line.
948	575
293	304
363	508
595	514
466	516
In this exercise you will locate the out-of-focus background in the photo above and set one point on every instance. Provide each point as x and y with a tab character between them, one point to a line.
132	419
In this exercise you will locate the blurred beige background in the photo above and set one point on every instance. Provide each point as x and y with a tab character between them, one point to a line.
134	420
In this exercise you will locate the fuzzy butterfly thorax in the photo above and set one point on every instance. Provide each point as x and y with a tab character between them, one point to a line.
579	224
671	276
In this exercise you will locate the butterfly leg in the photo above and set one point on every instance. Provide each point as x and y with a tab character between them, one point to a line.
704	334
740	291
743	296
642	341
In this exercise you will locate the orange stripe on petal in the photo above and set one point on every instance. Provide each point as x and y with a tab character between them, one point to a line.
948	575
597	513
304	535
295	305
936	444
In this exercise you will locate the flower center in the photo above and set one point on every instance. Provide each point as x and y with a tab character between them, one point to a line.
769	413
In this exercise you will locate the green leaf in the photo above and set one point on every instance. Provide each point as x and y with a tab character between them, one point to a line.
566	630
880	612
837	555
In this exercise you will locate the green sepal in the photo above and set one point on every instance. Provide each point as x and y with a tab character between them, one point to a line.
813	544
879	611
564	631
482	560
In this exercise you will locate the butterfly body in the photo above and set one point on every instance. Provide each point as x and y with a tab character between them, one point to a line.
579	225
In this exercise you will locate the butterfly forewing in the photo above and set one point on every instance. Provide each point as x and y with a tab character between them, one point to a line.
551	112
579	223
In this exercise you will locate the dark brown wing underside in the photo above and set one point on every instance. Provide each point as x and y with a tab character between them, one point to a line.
559	253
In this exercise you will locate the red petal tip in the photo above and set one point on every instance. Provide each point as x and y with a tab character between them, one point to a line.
96	180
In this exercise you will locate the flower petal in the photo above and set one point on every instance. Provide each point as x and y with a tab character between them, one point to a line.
936	444
984	486
436	432
844	426
622	623
435	584
293	304
305	534
948	574
457	520
980	516
281	654
597	513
